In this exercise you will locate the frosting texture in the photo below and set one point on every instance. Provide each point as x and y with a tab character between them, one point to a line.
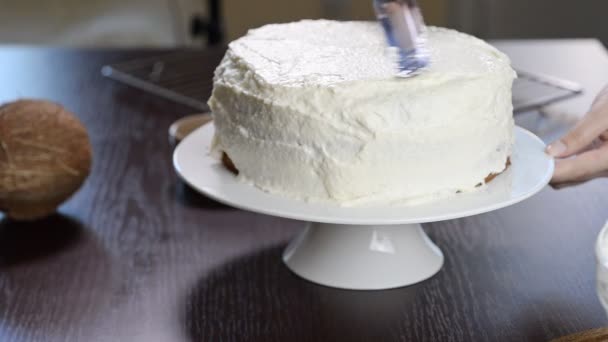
313	110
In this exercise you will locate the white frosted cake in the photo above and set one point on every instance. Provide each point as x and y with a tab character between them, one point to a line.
312	110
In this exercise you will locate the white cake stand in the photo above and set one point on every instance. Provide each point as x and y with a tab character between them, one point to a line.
364	248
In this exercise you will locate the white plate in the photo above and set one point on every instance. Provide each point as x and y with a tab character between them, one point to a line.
531	169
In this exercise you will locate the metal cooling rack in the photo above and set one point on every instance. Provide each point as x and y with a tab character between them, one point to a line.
176	77
533	91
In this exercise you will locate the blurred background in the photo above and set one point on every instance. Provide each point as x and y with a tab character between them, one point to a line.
170	23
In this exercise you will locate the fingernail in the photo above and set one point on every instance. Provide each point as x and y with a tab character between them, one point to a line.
556	149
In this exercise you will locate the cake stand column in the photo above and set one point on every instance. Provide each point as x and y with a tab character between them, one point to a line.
363	257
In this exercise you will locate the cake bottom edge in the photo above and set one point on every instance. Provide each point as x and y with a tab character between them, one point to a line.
229	165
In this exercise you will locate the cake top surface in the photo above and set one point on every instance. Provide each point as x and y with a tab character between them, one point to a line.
324	52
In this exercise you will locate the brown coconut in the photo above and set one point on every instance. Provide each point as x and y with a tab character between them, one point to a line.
45	156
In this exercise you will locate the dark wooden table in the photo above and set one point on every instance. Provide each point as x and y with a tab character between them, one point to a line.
136	256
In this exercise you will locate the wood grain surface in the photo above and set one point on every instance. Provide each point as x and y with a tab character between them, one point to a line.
137	256
594	335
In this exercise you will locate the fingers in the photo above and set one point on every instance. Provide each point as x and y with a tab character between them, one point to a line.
581	136
592	126
601	99
588	139
582	167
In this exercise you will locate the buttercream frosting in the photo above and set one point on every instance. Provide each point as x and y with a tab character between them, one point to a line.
313	110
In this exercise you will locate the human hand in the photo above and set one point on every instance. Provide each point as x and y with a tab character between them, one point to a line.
582	154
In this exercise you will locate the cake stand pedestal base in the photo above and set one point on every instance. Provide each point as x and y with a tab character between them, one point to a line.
363	257
364	248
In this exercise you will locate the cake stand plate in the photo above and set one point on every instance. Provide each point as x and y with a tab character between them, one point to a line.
377	246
